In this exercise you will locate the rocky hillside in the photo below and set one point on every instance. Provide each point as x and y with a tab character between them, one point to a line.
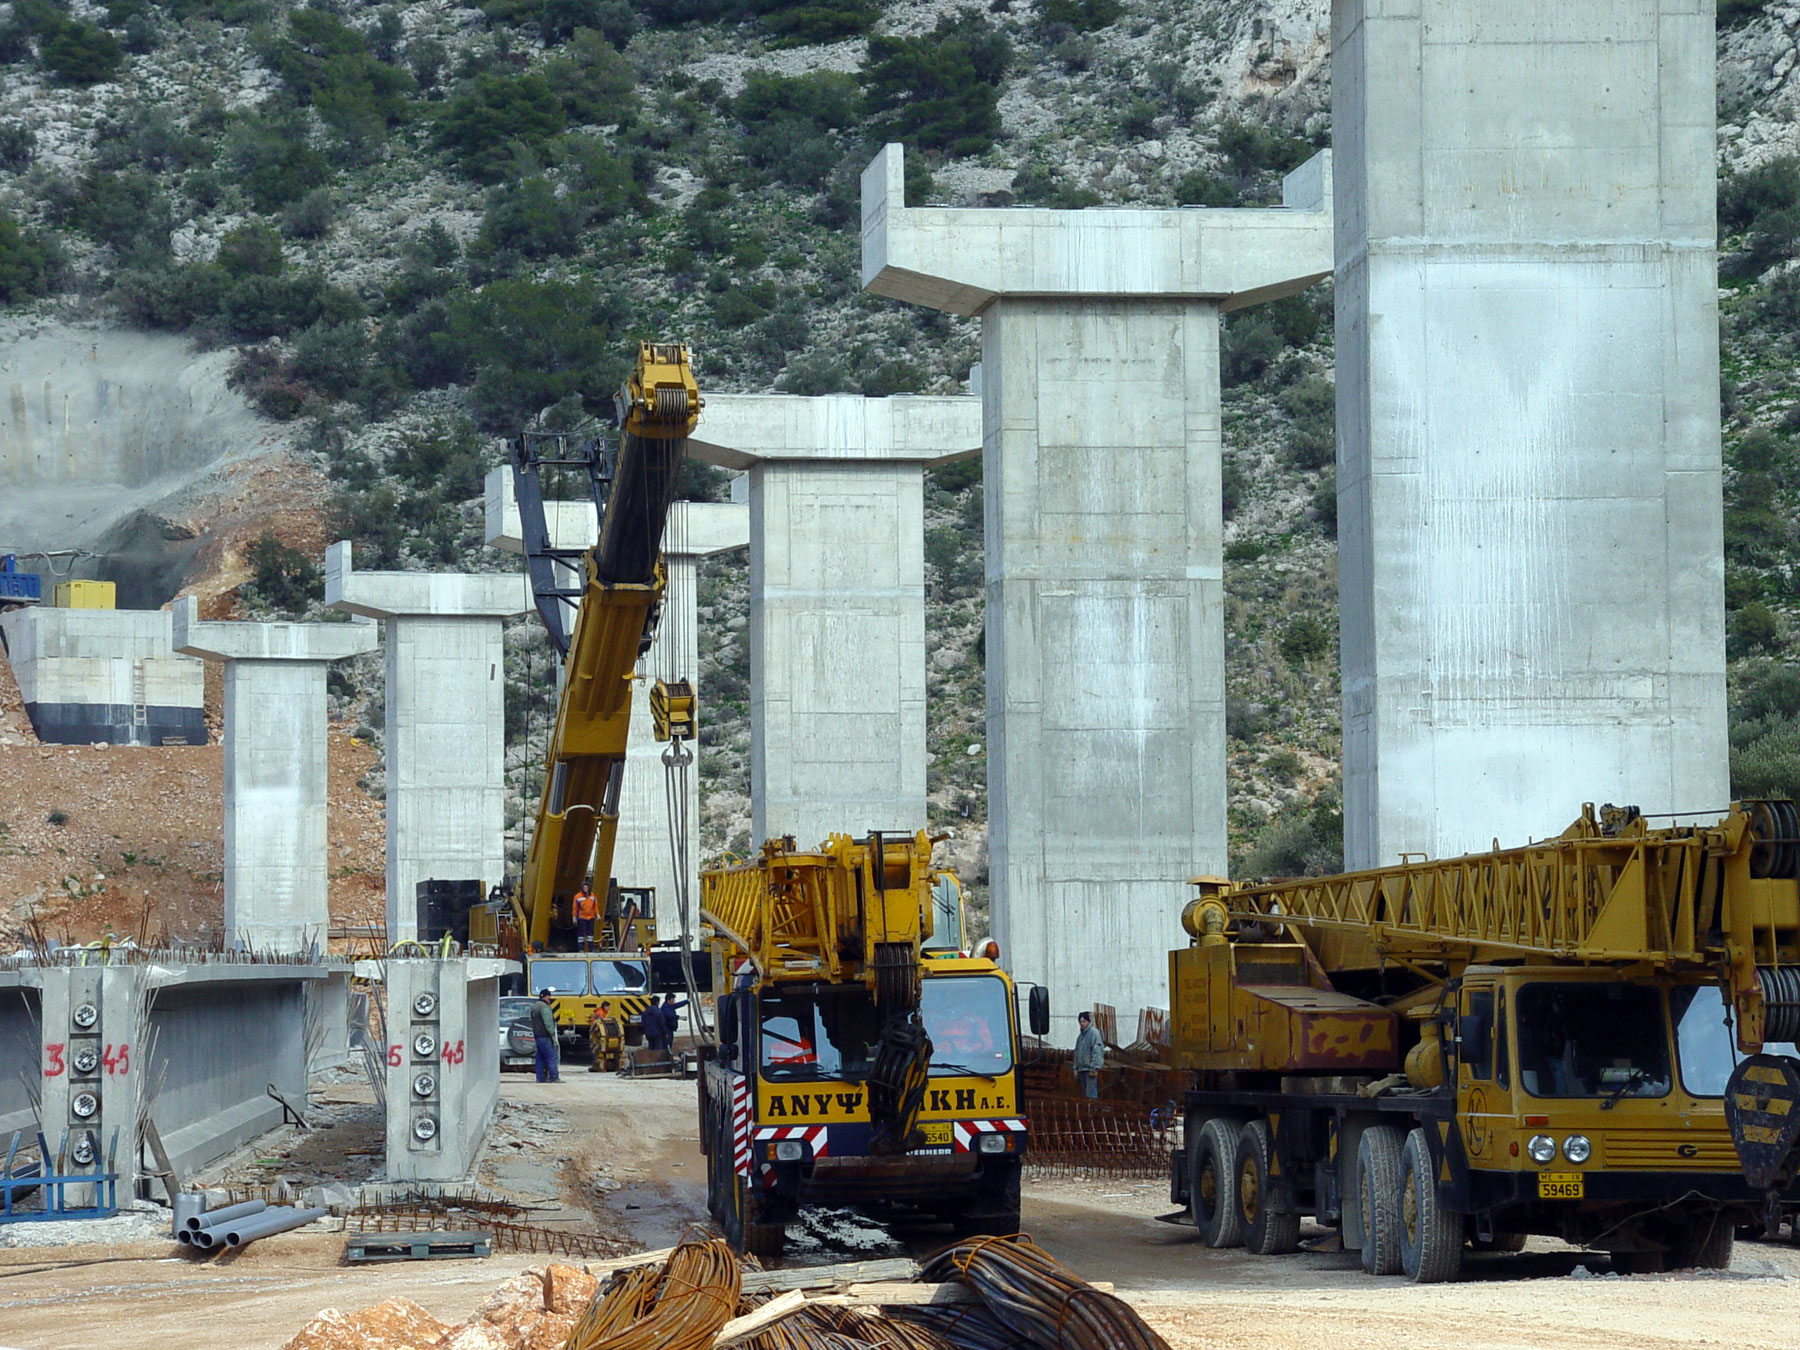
418	226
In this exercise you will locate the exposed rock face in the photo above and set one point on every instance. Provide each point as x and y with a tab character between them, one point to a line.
534	1310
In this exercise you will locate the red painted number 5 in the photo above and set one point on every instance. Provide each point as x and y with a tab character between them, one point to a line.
394	1056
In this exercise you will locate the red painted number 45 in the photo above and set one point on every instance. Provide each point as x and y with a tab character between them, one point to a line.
453	1052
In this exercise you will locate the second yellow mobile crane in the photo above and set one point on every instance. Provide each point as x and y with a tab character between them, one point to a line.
615	590
1540	1040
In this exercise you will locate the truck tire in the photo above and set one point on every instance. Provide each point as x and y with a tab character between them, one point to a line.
1431	1238
1267	1231
996	1212
1378	1189
1704	1243
1212	1183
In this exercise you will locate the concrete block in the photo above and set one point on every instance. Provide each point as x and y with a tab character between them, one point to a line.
443	1020
1101	456
1530	566
104	675
695	530
446	690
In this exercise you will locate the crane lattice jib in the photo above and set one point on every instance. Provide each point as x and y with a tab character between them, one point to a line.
1721	896
577	818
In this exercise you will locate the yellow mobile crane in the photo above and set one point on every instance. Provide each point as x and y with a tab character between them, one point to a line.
859	1062
1546	1039
616	604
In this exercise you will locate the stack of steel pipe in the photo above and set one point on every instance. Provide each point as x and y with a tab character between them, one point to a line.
234	1225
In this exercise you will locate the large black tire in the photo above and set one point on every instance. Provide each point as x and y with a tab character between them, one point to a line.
1378	1190
717	1166
1267	1230
996	1212
1500	1242
1431	1237
1704	1244
1212	1183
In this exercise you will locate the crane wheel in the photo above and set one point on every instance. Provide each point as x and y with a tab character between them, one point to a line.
1267	1230
1378	1190
1212	1182
1431	1238
1704	1244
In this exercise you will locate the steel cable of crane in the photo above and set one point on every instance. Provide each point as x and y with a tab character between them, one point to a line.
1029	1291
679	1305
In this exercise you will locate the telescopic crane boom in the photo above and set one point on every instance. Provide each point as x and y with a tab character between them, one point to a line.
617	606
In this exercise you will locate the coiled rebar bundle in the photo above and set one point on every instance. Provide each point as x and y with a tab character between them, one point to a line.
1030	1292
679	1305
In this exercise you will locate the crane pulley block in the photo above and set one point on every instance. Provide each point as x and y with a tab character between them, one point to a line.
672	710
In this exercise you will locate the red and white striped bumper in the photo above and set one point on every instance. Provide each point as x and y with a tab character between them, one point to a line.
964	1133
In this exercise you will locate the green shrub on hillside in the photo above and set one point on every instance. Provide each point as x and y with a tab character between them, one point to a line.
789	123
1765	730
274	163
1198	187
282	577
80	54
1084	16
558	20
531	218
128	213
1763	206
1299	844
593	83
487	121
1311	404
806	22
939	91
328	64
25	263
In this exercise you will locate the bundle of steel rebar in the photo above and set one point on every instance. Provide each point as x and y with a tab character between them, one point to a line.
679	1305
1033	1294
968	1326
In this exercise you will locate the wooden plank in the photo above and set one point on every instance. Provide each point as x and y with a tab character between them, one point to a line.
840	1276
743	1328
905	1295
613	1263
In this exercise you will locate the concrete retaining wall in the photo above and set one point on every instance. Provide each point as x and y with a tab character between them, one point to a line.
104	675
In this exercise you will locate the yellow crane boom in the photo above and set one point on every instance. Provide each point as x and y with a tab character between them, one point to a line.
621	599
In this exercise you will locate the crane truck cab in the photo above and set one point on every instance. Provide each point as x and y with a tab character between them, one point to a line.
1544	1040
858	1063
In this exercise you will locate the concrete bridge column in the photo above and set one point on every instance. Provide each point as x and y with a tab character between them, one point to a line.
837	600
1529	521
1101	461
695	530
446	729
275	770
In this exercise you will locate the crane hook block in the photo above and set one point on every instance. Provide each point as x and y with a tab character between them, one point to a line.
672	710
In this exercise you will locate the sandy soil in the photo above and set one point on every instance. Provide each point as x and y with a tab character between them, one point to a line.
608	1156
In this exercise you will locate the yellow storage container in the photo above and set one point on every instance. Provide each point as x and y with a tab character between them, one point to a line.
84	595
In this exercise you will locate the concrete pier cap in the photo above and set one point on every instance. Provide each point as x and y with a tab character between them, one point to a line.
446	691
1104	546
276	897
695	530
837	599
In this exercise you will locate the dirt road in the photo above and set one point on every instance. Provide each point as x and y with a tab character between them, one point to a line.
602	1154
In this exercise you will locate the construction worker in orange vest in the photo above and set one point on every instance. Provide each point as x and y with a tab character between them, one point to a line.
586	910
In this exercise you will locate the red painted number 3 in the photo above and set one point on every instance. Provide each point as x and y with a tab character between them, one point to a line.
53	1059
117	1059
393	1056
453	1052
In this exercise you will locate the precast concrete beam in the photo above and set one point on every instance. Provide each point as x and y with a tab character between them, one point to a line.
276	893
211	1036
1104	541
695	530
837	599
1529	503
446	692
443	1057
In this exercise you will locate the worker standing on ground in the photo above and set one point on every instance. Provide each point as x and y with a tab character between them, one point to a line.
543	1033
1090	1055
586	910
671	1022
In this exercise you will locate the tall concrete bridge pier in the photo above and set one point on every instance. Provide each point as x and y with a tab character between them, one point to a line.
837	600
446	726
1529	522
1101	458
275	770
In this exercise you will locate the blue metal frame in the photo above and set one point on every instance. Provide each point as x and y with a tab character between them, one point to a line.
15	1186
